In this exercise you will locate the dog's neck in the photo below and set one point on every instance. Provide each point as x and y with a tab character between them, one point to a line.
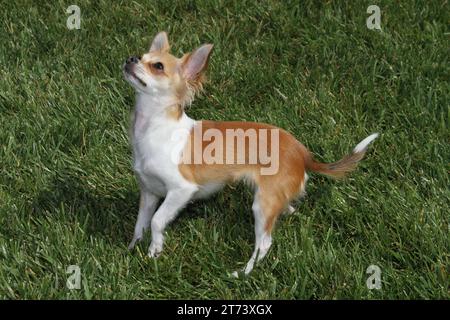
151	111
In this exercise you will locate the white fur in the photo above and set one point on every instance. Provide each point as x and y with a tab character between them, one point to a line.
156	168
146	210
362	146
290	209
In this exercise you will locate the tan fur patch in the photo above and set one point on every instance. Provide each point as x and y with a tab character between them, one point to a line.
175	112
169	62
183	90
275	190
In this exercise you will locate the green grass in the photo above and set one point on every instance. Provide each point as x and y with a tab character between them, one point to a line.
68	194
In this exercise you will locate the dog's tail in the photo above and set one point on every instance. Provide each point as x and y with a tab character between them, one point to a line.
347	164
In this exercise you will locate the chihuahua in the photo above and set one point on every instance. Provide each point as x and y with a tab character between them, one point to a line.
181	159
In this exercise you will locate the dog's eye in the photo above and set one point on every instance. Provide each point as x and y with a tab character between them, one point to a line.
158	66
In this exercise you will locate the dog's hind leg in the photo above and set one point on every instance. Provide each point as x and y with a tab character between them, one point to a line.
266	209
289	210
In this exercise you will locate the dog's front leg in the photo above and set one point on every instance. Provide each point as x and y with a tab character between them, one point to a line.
175	200
147	206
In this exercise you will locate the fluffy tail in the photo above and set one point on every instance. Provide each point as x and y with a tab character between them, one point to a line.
347	164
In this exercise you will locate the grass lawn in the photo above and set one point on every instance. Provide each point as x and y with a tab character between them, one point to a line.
68	195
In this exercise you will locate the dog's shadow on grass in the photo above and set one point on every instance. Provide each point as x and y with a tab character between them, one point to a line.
112	214
72	199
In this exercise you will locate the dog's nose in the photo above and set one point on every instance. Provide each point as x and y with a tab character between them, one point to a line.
132	59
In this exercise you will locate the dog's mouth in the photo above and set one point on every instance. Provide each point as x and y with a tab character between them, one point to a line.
131	72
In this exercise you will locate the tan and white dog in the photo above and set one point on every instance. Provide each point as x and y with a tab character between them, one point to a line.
181	159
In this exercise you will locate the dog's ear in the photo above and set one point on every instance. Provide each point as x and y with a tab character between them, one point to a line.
196	63
160	42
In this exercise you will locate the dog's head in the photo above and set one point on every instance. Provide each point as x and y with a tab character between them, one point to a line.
160	74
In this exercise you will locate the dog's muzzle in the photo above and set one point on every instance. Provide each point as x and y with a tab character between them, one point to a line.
129	68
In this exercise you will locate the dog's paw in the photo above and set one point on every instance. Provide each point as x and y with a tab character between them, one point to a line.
155	250
238	274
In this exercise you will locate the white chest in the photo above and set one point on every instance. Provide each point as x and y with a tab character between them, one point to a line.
157	149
